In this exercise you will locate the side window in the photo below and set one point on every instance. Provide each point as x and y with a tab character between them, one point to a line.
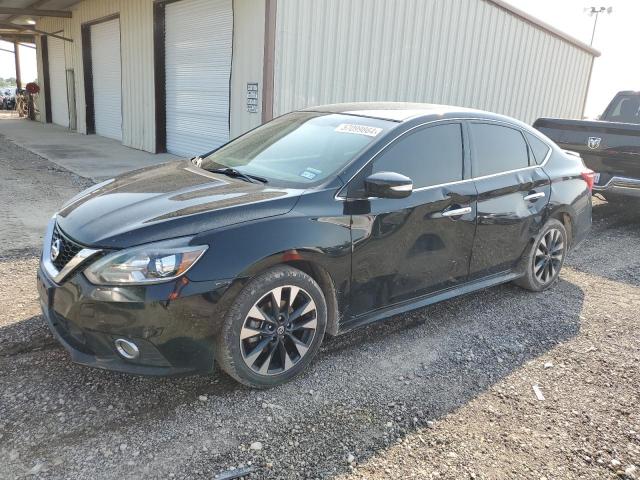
430	156
539	148
497	149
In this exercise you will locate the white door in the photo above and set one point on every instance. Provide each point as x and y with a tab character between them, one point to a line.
58	82
107	83
198	40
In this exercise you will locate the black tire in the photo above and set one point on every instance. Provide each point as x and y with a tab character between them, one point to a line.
533	279
287	352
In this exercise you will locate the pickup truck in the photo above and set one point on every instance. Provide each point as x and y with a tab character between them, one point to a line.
609	146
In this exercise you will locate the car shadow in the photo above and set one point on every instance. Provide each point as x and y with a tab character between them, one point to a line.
425	364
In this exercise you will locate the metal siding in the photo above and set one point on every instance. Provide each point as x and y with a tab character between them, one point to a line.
138	90
248	59
62	26
465	52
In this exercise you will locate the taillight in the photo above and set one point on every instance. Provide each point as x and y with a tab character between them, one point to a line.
589	177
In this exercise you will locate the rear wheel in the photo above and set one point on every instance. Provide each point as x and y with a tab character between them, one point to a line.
274	328
545	258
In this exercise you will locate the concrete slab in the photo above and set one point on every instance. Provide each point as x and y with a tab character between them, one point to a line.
89	156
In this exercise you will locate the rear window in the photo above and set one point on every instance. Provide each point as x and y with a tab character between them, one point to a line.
497	149
539	149
624	109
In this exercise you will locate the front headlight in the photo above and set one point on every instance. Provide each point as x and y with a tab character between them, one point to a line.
152	263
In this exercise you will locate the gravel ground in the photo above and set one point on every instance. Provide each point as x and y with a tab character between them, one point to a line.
442	392
31	190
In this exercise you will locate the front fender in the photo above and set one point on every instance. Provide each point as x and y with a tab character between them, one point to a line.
240	252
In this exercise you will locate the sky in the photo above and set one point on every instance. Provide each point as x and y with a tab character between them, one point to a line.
617	69
28	66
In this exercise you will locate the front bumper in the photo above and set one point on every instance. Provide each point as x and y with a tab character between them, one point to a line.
172	324
620	186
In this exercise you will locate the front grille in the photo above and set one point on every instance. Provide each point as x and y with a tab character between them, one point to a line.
67	248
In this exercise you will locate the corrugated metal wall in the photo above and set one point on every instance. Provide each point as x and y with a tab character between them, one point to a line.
138	90
248	54
460	52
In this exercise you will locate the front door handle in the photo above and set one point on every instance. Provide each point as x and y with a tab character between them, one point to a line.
532	197
457	212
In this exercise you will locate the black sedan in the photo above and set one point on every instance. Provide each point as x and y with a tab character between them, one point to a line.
315	223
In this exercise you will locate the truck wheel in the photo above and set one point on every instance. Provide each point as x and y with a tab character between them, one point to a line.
545	258
274	328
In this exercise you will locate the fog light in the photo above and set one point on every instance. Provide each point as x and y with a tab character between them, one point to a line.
127	349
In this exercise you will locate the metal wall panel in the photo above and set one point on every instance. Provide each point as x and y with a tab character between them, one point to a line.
138	89
138	92
248	54
469	53
61	26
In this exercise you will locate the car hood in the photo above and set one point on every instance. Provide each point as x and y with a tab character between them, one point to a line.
167	201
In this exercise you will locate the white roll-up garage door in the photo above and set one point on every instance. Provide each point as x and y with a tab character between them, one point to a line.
58	82
107	83
198	43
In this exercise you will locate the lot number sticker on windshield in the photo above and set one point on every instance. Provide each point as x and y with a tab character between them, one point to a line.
358	129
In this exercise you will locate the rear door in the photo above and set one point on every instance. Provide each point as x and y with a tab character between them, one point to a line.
513	192
405	248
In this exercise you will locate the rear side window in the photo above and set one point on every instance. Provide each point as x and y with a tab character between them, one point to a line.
624	109
430	156
497	149
538	147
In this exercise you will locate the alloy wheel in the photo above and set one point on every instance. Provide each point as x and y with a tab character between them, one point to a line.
549	256
278	330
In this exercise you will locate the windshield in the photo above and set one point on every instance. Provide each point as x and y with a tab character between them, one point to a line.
625	109
300	149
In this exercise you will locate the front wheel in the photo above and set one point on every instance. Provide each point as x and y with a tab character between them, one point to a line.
273	329
545	257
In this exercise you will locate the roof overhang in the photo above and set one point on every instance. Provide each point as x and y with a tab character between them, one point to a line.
17	21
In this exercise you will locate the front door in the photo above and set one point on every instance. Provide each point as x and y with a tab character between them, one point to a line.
406	248
513	192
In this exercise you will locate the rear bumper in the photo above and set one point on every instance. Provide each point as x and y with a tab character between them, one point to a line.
620	186
174	337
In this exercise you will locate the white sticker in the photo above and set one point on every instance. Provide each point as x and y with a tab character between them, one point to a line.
358	129
307	174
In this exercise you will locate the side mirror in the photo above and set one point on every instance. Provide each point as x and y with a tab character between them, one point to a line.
388	185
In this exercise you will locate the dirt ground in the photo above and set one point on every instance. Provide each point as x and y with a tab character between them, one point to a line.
444	392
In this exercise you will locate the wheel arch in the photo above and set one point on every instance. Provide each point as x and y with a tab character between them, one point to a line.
309	262
564	216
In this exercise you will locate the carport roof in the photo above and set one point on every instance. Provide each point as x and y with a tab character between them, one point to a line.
22	20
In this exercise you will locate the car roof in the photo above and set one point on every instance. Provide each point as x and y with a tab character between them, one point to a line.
404	111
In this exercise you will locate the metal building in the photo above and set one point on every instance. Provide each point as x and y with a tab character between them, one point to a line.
184	76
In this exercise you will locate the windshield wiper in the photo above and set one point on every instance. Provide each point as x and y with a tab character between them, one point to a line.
232	172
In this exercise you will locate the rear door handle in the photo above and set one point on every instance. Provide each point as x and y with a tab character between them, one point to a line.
457	212
532	197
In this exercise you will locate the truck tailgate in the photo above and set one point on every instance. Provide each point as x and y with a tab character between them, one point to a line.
608	148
